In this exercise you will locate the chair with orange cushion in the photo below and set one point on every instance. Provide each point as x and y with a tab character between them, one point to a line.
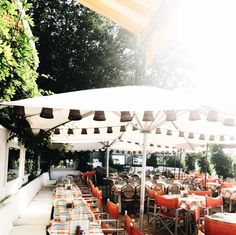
198	222
135	231
213	202
86	189
110	225
93	197
151	193
89	175
169	213
216	227
97	206
128	221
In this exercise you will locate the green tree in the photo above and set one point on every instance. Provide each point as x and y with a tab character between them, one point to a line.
222	163
85	160
18	58
203	164
173	161
190	160
152	160
78	49
169	70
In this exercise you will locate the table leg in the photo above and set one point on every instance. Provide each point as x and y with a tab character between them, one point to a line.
119	201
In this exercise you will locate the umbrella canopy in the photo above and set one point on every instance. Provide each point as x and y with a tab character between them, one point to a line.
135	99
144	112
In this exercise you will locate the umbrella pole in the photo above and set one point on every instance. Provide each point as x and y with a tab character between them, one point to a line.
179	163
206	166
107	158
143	179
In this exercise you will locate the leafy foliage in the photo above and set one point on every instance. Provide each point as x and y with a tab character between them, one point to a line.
169	70
152	160
173	161
79	49
18	58
190	160
85	160
222	163
203	163
18	64
20	128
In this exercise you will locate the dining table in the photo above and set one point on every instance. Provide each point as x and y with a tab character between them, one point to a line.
224	217
71	211
63	193
188	201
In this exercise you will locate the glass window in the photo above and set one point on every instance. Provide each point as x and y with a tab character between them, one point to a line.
13	163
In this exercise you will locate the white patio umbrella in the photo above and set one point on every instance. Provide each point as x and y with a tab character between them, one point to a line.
149	109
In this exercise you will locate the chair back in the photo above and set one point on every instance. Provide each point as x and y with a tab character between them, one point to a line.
138	191
233	196
99	193
135	231
227	193
127	223
213	202
215	227
90	184
152	193
200	192
112	209
100	204
169	203
159	187
121	181
128	191
174	189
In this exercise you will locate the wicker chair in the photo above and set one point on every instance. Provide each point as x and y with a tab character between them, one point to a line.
159	187
128	197
174	189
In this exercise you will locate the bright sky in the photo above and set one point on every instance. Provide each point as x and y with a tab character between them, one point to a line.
207	29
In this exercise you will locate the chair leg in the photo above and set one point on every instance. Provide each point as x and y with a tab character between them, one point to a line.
155	214
176	221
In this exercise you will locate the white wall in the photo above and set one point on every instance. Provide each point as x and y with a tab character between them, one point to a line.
11	187
12	206
56	173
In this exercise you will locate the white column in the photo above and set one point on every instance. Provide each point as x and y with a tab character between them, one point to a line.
143	178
